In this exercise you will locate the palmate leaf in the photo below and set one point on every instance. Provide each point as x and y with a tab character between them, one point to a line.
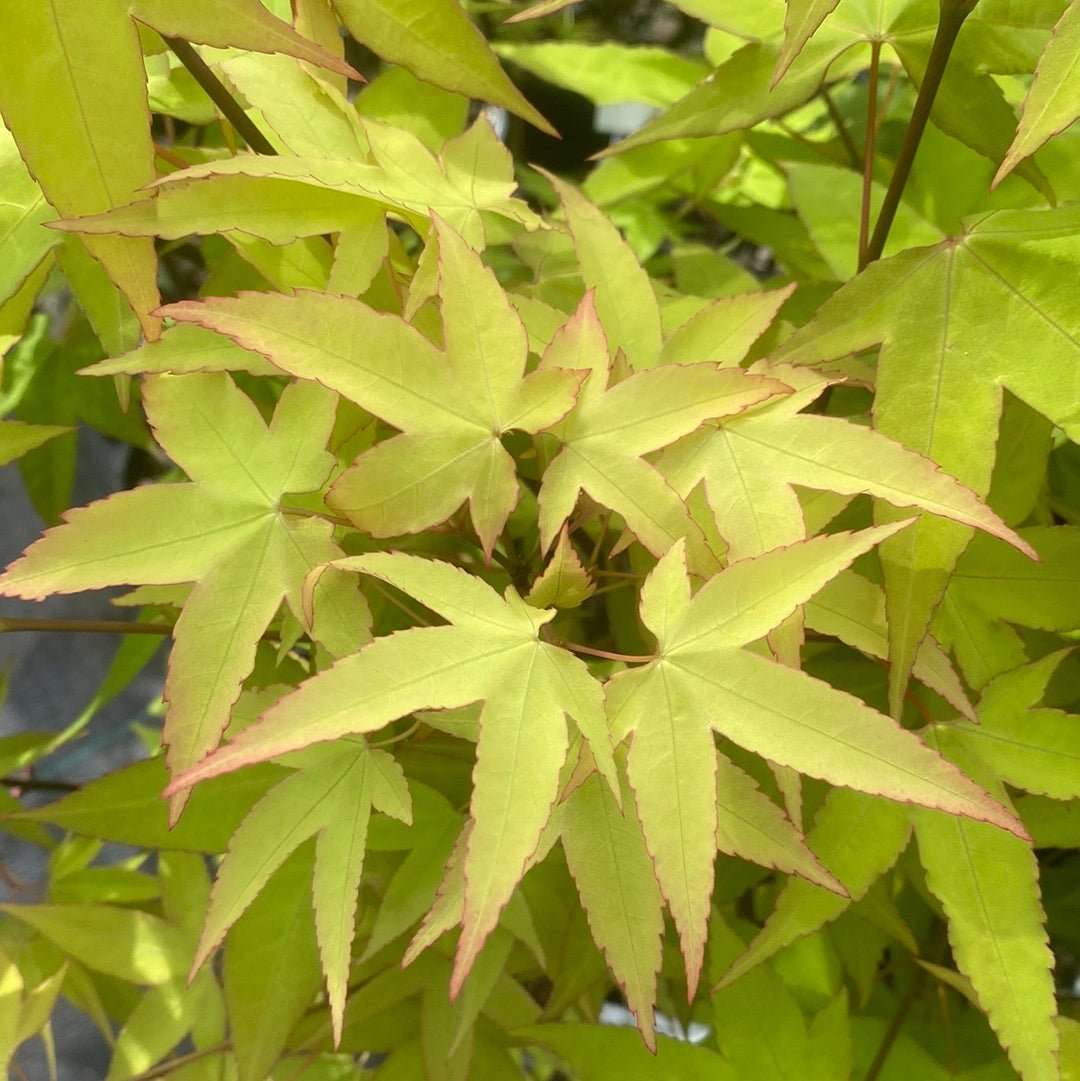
743	91
610	428
749	464
490	652
96	113
1053	102
281	198
225	531
852	608
988	884
858	839
565	582
606	855
939	388
801	21
704	682
329	797
994	586
452	406
16	438
435	40
1034	749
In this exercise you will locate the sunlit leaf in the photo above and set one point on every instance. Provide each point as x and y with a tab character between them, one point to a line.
490	652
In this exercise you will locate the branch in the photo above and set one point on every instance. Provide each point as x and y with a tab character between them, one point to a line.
221	97
850	148
626	658
953	14
868	152
33	784
93	626
896	1025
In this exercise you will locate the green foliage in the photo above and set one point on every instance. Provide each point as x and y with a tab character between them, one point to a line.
534	571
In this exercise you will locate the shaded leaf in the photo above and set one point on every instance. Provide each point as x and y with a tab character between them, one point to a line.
1034	749
858	839
1053	102
939	392
17	438
436	42
330	797
565	583
271	969
987	883
121	942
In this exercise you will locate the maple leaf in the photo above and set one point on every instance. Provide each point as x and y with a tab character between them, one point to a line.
491	652
819	44
852	608
1053	102
330	797
858	839
281	198
225	530
624	297
565	582
1036	749
89	56
997	928
993	587
435	40
749	464
610	428
939	385
606	855
17	439
452	406
704	682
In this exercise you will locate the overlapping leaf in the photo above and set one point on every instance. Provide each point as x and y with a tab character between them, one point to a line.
16	438
1053	102
490	652
624	297
436	42
858	839
95	112
1037	749
225	531
281	198
750	462
329	797
704	682
607	858
452	406
988	885
939	389
742	91
994	586
611	428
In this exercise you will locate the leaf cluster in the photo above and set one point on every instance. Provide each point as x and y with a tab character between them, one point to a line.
568	613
